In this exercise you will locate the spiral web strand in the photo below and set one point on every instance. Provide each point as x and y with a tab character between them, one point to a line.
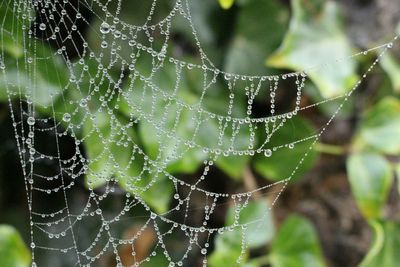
149	88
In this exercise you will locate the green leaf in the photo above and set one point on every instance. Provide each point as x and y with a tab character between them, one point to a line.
228	248
157	260
233	166
260	27
316	38
257	234
13	251
226	4
112	156
296	244
50	76
161	147
385	246
391	66
155	189
330	107
283	162
380	127
228	245
216	101
169	125
109	149
370	178
12	39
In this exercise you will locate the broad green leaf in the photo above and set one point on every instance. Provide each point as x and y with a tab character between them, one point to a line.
283	162
370	178
112	156
165	125
315	38
385	245
296	245
12	28
228	248
228	245
109	149
226	4
97	144
168	126
392	67
153	187
13	251
50	77
257	234
330	107
216	101
260	27
157	260
233	166
380	127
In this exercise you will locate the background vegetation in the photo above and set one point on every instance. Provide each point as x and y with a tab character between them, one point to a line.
343	207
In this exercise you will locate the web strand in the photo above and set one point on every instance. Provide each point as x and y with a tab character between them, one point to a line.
108	96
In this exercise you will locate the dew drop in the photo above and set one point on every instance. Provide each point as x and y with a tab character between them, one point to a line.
67	117
42	26
268	153
31	121
105	28
104	44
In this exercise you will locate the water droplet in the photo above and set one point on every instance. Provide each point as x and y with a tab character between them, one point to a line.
389	45
67	117
31	121
204	251
291	146
268	153
105	28
42	26
104	44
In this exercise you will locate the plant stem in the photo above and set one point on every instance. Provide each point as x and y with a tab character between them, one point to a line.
330	149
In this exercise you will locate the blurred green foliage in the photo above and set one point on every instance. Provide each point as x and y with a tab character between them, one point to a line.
13	251
384	251
316	37
260	43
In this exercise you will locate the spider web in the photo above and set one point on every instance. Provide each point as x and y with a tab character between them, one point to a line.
109	95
